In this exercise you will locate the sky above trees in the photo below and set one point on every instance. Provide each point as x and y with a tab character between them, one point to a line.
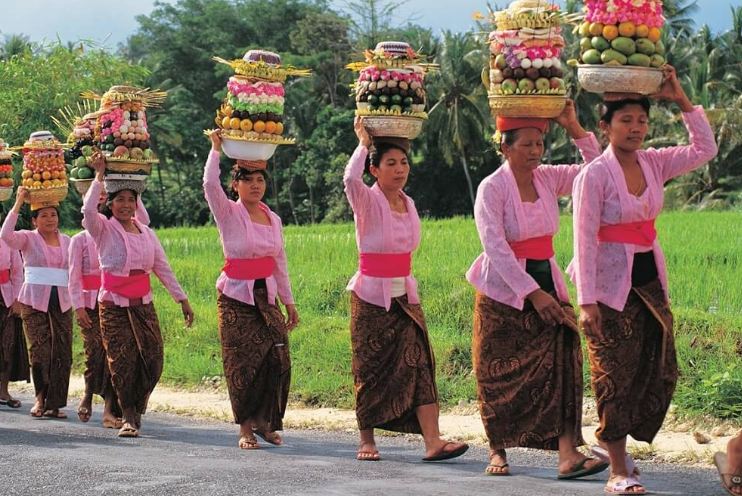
72	20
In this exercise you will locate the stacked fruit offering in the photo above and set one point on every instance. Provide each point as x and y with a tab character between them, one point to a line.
525	50
6	172
121	128
253	107
622	32
392	82
43	168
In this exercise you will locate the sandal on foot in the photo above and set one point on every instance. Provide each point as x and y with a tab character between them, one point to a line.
37	412
11	403
83	414
627	486
272	437
55	414
248	442
443	454
116	423
497	469
602	455
580	470
368	455
128	430
728	481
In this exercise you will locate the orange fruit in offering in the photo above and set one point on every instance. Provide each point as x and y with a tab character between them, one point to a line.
26	174
246	125
234	123
36	176
654	35
225	122
596	29
270	127
627	29
610	32
36	184
279	127
46	175
642	31
5	182
258	126
47	184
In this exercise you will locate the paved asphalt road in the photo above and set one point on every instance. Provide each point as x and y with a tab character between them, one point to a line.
179	456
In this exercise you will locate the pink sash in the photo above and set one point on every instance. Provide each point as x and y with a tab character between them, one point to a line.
91	282
249	268
640	233
132	286
4	276
385	264
540	248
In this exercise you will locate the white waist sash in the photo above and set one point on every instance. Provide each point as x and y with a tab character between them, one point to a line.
46	276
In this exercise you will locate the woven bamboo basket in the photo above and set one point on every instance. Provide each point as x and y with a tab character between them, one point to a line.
393	126
128	166
528	106
47	195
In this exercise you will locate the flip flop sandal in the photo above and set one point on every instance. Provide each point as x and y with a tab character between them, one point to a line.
624	487
728	481
504	469
36	412
11	403
269	437
442	454
602	454
113	424
248	443
368	456
580	470
55	414
128	430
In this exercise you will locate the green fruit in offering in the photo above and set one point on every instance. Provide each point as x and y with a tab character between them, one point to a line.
396	99
599	43
73	172
384	99
85	173
373	100
643	45
657	60
87	150
149	154
80	162
613	56
639	59
500	61
659	47
627	46
585	44
584	29
592	56
408	100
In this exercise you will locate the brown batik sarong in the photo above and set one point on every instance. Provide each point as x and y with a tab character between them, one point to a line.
255	354
50	336
133	344
97	376
13	350
633	365
529	376
393	364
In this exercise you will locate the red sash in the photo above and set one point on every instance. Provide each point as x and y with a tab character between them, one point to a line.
249	268
4	276
91	282
131	287
540	248
640	233
385	264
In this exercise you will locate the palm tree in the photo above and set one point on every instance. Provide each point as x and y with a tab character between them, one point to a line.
459	118
14	44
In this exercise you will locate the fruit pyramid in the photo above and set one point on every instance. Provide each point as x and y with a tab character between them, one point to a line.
44	173
121	128
79	126
391	81
622	32
6	170
253	107
525	50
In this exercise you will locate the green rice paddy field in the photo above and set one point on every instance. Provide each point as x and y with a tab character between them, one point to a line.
704	255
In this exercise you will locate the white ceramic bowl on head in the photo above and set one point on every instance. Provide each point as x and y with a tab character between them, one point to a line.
619	79
247	150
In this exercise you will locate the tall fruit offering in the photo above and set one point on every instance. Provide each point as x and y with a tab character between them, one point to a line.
6	172
44	173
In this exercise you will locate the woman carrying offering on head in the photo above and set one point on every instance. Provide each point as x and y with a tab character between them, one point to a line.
620	272
252	329
129	252
393	363
44	302
525	346
84	286
13	351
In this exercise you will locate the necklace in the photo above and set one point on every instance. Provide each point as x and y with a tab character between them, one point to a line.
640	187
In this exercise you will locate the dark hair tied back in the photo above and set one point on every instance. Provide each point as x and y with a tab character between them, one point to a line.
607	109
377	151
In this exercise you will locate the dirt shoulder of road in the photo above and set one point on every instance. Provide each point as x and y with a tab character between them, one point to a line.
680	441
